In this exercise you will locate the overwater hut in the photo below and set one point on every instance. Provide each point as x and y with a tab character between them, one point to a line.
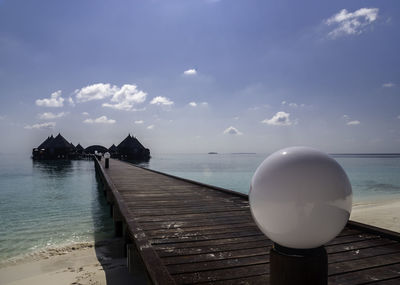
79	149
73	147
113	151
59	147
45	144
130	148
41	151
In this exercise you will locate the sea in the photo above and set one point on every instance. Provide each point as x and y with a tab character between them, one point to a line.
52	204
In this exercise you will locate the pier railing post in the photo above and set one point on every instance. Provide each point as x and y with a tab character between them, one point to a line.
107	160
301	199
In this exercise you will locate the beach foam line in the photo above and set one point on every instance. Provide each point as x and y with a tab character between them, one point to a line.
46	253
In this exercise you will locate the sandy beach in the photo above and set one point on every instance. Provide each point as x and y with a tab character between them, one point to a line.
384	214
85	264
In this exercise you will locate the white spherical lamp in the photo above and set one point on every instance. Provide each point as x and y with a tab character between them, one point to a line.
300	197
107	155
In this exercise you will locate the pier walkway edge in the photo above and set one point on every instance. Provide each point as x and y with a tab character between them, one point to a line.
179	231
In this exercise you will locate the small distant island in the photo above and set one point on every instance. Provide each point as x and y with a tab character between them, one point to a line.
212	152
59	148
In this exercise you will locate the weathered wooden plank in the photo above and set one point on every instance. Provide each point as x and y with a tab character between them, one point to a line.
370	275
180	211
196	223
352	238
222	274
204	238
218	264
394	281
211	246
362	253
358	245
219	255
208	229
253	280
364	263
243	213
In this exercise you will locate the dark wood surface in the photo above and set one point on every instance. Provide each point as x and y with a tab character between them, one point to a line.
189	233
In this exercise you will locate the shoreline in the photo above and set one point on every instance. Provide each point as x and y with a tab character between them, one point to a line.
86	264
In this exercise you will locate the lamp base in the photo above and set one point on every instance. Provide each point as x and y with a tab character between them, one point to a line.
298	266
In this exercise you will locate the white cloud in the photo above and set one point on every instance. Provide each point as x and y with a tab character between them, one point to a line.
96	91
194	104
100	120
398	117
71	102
279	119
51	116
232	131
2	118
139	122
55	100
150	127
347	23
85	113
190	72
388	85
126	97
47	125
160	100
352	123
292	104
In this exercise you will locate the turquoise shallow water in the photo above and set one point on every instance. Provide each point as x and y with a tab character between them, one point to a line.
371	177
52	204
49	204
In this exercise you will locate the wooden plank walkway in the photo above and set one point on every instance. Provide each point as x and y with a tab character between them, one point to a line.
187	233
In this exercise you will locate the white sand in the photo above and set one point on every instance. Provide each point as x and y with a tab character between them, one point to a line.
78	264
384	214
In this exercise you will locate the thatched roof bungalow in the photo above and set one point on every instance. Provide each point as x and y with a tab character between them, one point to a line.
54	147
79	149
131	148
59	147
46	142
113	150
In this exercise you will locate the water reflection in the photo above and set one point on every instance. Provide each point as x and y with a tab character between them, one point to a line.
53	167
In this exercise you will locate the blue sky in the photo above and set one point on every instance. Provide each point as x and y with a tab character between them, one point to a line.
202	75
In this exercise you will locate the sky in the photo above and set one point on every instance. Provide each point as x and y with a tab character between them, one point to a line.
193	76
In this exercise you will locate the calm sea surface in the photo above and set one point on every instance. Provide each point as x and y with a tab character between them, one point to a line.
371	177
51	204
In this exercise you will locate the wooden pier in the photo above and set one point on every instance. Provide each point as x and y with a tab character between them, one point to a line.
183	232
